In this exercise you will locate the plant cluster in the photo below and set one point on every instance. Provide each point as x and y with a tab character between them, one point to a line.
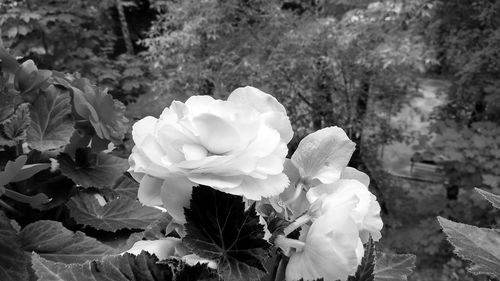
232	212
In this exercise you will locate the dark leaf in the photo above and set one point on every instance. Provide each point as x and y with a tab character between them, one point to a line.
125	186
52	241
91	169
143	267
478	245
218	228
393	267
51	124
116	214
156	230
105	114
365	269
13	261
14	129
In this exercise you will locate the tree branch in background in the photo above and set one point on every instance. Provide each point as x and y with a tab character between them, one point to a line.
124	27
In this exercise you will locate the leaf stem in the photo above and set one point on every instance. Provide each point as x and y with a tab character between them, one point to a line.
298	190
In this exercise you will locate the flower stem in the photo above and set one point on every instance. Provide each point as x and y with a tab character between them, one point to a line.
300	221
298	190
286	243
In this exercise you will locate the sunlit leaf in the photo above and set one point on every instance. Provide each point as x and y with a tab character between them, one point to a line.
478	245
492	198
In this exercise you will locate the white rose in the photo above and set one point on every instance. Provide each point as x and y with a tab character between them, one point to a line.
237	146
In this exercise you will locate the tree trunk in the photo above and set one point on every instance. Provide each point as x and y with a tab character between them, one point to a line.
124	27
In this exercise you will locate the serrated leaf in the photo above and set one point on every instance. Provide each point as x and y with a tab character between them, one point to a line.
478	245
13	261
393	267
126	186
105	114
91	169
51	124
218	228
143	267
14	128
116	214
365	269
492	198
156	230
52	241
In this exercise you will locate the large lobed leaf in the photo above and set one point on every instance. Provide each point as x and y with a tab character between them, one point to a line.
51	124
478	245
393	267
52	241
218	228
91	169
96	105
13	261
143	267
116	214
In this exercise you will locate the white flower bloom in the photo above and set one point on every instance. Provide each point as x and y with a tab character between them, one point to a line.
366	214
237	146
332	248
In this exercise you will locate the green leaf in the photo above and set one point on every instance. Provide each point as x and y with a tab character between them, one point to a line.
478	245
116	214
492	198
51	124
14	129
13	261
143	267
393	267
91	169
105	114
51	240
125	186
219	228
365	269
157	229
29	78
15	171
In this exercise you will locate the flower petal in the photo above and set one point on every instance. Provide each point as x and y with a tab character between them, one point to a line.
331	249
163	248
149	191
216	135
175	194
255	189
354	174
143	129
324	154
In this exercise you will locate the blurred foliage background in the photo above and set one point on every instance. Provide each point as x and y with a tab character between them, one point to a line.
415	83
